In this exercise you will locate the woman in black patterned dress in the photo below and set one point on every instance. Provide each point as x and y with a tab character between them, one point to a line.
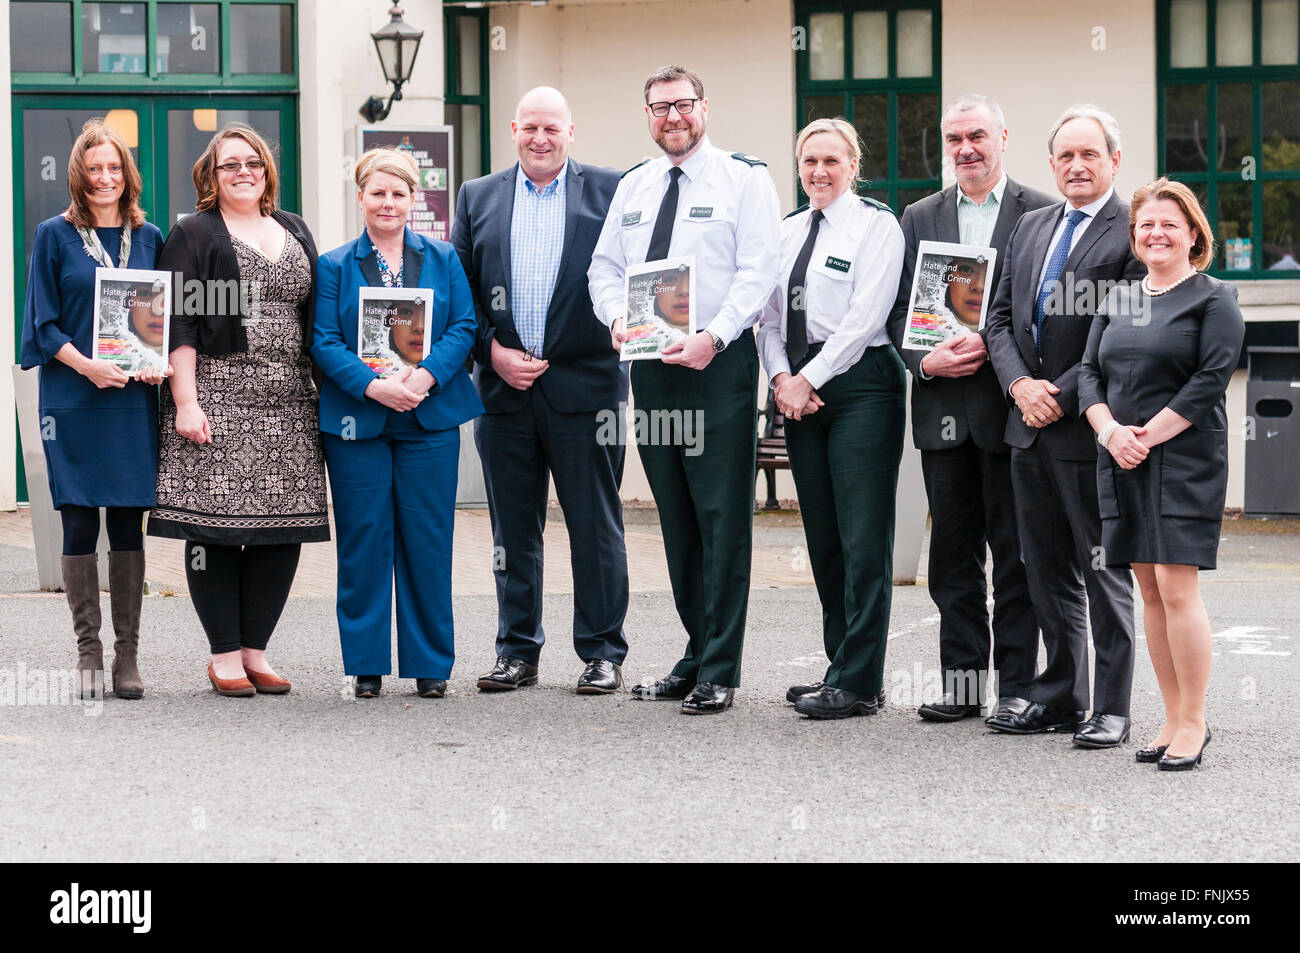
241	474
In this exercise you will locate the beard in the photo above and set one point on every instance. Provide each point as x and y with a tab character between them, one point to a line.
693	139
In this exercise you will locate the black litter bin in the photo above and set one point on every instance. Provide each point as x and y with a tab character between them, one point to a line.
1273	449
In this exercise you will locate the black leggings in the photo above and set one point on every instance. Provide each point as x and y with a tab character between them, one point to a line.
81	528
239	593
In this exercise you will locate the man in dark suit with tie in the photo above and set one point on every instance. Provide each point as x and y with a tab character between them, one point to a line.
547	378
959	415
1059	265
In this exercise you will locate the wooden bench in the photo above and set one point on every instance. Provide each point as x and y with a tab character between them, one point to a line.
771	454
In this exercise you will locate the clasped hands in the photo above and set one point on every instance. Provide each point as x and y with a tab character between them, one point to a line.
1036	400
958	356
105	374
694	351
403	391
1126	446
517	368
794	396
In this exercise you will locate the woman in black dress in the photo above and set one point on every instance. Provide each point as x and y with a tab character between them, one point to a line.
241	474
1152	383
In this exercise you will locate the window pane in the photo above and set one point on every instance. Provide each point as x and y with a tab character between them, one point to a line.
914	44
112	38
871	120
40	37
1234	227
826	46
1280	127
189	38
261	38
1235	111
467	52
918	136
870	45
1187	34
188	133
1279	43
1186	128
1232	33
822	107
467	141
880	195
907	196
1281	225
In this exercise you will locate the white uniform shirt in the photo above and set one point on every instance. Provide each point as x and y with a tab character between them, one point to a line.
728	217
849	291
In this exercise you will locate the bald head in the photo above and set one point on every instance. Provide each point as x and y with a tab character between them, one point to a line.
542	130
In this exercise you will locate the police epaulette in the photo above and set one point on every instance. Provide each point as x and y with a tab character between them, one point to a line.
747	158
635	167
801	208
867	200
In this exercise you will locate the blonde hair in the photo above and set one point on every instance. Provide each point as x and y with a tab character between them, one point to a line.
205	169
396	162
94	133
1202	252
837	126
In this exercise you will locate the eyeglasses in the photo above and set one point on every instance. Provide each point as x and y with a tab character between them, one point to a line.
254	166
684	107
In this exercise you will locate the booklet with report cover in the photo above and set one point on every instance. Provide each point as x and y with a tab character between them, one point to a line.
392	333
133	309
660	298
951	289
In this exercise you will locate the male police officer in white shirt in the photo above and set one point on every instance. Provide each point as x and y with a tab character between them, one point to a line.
722	209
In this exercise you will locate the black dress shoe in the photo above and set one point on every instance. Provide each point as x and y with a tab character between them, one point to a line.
1102	731
1008	705
795	692
942	711
831	702
431	687
1184	764
1036	718
600	677
367	686
1150	754
509	673
668	688
707	699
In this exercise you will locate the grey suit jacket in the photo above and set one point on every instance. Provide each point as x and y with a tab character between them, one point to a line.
1100	259
947	410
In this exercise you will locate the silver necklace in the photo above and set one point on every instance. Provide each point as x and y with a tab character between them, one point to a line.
1157	292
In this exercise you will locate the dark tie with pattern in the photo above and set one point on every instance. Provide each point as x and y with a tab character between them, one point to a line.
662	236
1052	272
796	298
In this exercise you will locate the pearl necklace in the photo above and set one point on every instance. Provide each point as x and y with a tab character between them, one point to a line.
1155	293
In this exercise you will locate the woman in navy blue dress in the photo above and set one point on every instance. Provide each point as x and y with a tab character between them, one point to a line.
99	425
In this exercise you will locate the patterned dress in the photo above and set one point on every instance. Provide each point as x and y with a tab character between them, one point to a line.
262	478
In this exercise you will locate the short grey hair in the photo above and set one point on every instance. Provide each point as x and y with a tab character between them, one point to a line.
1109	127
975	101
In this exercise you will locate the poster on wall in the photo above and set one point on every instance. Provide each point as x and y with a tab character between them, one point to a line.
431	147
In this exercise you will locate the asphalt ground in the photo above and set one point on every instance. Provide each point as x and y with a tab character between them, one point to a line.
544	774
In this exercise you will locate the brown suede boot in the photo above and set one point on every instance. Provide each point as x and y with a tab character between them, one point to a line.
81	585
126	592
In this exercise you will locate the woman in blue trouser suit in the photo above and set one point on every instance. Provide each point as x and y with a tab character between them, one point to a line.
392	445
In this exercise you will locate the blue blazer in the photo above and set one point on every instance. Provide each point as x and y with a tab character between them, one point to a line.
451	326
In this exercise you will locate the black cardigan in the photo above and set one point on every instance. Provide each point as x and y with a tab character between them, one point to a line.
199	247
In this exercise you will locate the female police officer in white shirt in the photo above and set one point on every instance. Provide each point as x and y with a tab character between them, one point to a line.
841	387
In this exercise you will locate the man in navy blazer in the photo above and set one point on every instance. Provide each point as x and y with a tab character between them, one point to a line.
548	380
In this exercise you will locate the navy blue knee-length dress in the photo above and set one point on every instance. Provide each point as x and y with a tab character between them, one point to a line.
101	446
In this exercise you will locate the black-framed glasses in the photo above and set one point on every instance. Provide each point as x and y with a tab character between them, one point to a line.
255	166
684	107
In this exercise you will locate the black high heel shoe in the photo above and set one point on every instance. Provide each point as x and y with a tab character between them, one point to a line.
1150	754
1184	764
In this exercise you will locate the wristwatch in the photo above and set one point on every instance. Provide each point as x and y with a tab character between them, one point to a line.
718	343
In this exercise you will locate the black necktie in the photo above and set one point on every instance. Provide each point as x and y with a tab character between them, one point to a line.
662	236
796	298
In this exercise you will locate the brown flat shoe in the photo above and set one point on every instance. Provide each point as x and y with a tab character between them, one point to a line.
267	683
234	687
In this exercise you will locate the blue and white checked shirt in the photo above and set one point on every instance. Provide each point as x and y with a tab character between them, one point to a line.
536	243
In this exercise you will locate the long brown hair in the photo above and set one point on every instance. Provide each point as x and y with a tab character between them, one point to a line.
205	169
96	133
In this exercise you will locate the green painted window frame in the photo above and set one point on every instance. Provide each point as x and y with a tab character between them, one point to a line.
1212	76
451	79
198	82
892	85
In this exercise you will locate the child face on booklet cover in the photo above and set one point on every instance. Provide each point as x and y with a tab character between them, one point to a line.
407	333
146	317
673	302
966	291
